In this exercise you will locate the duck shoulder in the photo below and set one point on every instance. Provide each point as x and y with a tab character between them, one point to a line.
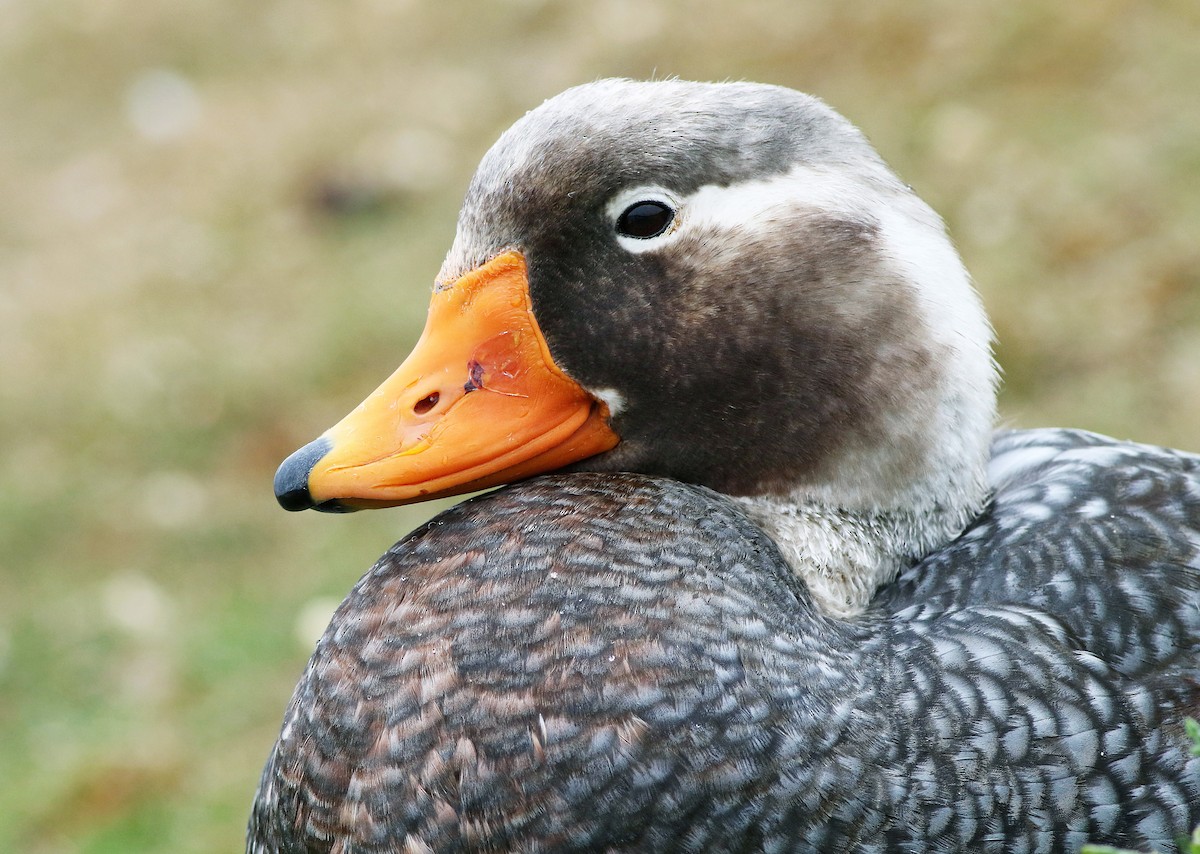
1101	535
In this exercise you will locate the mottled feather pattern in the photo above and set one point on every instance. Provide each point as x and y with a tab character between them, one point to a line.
1103	535
618	662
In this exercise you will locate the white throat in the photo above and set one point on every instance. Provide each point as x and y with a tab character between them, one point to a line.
843	557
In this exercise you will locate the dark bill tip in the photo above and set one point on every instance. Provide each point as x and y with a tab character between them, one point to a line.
291	481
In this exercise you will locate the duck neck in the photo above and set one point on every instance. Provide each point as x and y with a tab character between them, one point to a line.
844	553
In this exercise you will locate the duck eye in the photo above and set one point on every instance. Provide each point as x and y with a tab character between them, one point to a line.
645	220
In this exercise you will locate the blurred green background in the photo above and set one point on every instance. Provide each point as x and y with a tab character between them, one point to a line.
218	225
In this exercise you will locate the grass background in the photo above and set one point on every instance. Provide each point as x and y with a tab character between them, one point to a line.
218	225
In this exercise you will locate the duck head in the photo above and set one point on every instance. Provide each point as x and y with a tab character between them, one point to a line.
718	283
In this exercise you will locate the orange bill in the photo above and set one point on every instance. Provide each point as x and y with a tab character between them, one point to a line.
478	403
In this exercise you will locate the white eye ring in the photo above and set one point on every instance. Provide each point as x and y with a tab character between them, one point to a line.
626	200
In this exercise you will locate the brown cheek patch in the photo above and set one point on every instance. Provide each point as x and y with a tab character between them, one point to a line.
770	379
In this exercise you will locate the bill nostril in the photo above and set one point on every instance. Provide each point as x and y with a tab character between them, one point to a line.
426	403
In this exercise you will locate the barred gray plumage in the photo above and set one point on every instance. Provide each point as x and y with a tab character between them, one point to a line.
617	662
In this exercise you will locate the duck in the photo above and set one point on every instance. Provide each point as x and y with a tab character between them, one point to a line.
760	574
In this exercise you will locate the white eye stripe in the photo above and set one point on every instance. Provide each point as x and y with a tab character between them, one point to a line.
739	206
762	201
